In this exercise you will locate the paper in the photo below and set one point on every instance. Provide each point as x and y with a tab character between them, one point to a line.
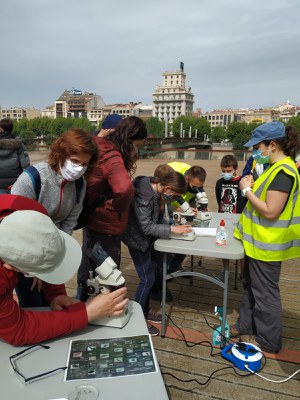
112	357
205	231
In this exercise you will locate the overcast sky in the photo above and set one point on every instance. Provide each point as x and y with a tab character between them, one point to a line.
236	53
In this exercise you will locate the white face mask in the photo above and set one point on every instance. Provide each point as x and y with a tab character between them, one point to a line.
70	172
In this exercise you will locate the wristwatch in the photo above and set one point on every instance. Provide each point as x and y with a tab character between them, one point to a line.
244	191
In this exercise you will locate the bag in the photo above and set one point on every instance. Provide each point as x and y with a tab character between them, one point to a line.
88	210
36	182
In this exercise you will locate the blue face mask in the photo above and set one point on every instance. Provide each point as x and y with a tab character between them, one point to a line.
168	197
259	158
227	175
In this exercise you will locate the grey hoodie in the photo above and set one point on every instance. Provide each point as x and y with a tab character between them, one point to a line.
144	225
57	196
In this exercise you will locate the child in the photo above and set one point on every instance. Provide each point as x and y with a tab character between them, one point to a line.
228	194
145	225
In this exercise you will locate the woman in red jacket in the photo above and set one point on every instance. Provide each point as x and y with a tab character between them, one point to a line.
111	182
28	238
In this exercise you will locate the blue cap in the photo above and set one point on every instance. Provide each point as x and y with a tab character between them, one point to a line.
269	131
111	121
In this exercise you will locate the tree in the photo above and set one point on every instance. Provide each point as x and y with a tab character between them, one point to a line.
155	127
200	124
83	123
218	134
295	122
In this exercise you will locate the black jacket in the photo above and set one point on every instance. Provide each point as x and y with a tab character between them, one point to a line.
144	216
13	159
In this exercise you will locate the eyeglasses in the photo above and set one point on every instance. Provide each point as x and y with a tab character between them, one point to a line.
76	163
13	359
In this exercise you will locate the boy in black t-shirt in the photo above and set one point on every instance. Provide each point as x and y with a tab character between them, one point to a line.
228	194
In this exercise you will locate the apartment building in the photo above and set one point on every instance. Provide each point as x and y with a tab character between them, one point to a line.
223	117
77	104
18	113
172	99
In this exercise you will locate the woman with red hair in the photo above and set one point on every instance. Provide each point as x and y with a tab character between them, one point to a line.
72	157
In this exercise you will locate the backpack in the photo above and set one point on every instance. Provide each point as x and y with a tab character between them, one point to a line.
36	182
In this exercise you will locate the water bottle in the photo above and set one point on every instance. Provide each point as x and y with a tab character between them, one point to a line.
222	234
217	336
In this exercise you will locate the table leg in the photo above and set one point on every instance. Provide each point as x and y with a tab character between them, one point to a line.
192	269
225	294
164	289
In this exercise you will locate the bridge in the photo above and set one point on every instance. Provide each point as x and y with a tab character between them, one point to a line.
154	146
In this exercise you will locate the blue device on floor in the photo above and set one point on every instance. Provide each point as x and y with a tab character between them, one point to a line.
243	354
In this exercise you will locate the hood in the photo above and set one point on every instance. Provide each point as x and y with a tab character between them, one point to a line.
9	144
143	188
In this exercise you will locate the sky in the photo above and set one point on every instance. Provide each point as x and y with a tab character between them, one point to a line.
236	53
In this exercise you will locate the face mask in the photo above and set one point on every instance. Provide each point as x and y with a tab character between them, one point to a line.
227	175
70	172
168	197
257	156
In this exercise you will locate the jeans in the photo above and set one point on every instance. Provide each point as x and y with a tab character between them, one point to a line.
27	297
147	267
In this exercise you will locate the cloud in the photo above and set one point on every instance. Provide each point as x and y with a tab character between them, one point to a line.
236	54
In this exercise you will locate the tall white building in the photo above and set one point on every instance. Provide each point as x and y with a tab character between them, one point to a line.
172	99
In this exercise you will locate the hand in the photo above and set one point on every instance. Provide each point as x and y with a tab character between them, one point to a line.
60	302
247	181
195	211
110	304
181	229
36	282
108	205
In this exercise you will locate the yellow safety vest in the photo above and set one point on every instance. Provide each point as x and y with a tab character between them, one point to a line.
182	168
276	240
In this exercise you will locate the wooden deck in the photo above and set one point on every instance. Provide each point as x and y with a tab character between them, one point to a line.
194	301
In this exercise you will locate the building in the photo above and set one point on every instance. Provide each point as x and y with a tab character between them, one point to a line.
261	115
48	112
18	113
123	109
223	117
172	99
287	111
77	104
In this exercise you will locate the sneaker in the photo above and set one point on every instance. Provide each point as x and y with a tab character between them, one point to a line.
153	316
153	330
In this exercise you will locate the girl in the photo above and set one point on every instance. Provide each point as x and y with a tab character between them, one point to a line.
145	226
111	181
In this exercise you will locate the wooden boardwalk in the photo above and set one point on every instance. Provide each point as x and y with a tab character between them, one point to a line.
193	302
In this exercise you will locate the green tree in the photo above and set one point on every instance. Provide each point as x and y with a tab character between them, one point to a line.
155	127
83	123
218	134
295	121
200	124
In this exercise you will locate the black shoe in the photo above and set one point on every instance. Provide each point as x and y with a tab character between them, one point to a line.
153	330
153	316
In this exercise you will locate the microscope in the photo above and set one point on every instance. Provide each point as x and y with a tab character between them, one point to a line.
183	217
104	279
201	204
